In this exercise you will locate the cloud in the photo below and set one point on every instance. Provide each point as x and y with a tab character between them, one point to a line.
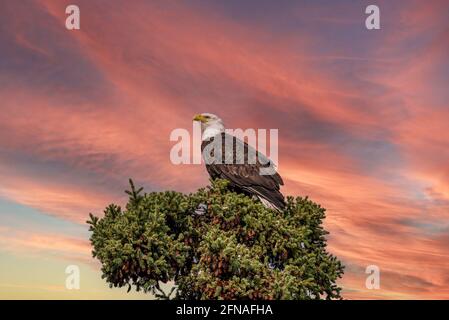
46	244
362	116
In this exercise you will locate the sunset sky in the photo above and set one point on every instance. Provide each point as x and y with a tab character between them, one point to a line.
363	119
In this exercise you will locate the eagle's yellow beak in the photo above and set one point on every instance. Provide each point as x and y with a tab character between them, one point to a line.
200	117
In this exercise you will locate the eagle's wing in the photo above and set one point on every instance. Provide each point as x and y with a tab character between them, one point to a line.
245	171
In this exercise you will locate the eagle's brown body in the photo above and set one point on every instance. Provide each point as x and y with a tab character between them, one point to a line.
244	177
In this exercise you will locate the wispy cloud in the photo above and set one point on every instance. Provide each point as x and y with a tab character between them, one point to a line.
362	116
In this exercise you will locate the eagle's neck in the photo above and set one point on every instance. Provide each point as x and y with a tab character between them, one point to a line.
212	130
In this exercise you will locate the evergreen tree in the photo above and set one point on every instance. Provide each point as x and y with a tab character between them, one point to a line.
233	249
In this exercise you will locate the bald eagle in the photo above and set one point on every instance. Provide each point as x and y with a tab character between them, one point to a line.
232	159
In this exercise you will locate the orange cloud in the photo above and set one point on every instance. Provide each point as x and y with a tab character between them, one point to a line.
54	245
363	133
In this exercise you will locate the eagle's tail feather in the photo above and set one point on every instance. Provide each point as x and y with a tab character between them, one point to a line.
270	198
269	204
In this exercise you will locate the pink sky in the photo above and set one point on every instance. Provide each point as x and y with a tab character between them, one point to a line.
362	118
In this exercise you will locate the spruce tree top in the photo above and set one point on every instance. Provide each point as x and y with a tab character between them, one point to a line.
233	249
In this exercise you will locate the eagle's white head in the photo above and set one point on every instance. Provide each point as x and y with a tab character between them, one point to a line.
211	125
